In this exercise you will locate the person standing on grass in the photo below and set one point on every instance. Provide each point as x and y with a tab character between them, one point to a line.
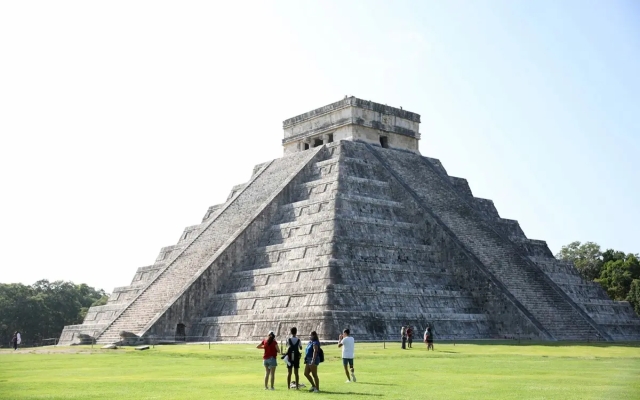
348	352
311	361
14	340
409	336
403	333
293	352
428	338
271	350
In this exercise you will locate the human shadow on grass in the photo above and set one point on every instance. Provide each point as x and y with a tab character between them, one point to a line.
350	393
377	384
527	342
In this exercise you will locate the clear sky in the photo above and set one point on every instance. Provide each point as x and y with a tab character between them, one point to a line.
122	121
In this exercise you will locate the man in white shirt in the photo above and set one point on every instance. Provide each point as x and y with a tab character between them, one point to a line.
348	350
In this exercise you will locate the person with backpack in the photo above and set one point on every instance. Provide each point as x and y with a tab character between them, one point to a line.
348	351
293	354
271	350
409	336
313	356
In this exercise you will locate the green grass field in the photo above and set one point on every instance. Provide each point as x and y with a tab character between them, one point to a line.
463	371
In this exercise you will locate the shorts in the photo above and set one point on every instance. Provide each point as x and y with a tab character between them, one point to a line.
429	341
295	363
270	362
346	361
307	361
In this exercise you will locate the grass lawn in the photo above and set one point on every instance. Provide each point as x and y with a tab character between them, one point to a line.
234	371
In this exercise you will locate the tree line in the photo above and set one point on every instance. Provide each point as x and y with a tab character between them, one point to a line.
618	273
40	311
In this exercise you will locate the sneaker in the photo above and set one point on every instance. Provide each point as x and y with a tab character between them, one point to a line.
271	389
313	389
347	381
353	376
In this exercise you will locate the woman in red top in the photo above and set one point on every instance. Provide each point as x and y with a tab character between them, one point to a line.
269	359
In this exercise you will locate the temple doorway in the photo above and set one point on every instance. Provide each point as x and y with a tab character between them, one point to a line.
181	335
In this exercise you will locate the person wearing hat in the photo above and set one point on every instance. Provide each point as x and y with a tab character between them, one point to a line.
269	358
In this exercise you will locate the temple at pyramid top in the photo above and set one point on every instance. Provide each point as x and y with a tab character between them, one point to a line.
353	119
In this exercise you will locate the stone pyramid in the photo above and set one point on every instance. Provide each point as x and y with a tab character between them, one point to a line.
354	228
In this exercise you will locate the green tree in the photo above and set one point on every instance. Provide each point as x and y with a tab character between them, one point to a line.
101	301
612	255
586	257
41	310
618	273
634	295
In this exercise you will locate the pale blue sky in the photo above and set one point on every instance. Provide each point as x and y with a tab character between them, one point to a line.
122	122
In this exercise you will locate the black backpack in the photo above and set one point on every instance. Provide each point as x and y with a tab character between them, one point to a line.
320	354
294	350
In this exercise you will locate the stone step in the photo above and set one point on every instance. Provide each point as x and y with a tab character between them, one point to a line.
392	315
411	282
371	229
286	264
413	270
322	287
383	253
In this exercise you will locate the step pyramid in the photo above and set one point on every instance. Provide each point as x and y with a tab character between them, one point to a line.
354	228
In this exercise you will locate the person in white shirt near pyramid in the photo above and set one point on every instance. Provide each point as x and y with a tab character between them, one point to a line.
348	351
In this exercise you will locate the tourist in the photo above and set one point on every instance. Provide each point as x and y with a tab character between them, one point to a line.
293	353
409	336
311	361
428	338
403	333
271	350
348	351
14	340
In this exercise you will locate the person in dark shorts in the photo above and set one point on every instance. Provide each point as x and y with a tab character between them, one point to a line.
348	353
409	336
271	350
311	361
293	353
428	338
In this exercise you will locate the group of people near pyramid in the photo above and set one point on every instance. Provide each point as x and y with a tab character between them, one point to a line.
314	355
406	333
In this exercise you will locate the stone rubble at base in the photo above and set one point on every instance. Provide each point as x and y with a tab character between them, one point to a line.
354	228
